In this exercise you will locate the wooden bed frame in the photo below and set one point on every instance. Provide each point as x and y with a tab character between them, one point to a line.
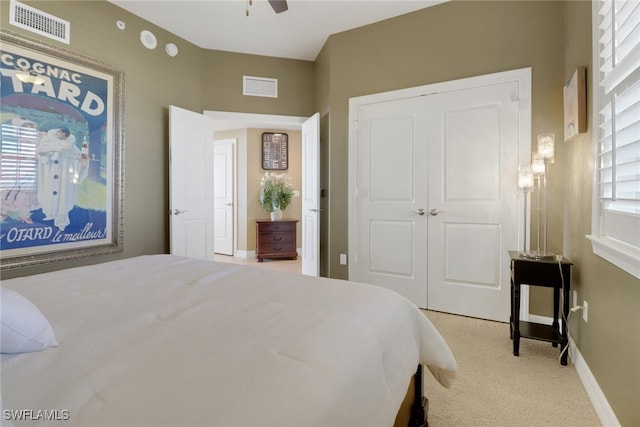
414	408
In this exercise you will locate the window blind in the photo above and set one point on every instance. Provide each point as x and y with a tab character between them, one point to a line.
18	160
618	121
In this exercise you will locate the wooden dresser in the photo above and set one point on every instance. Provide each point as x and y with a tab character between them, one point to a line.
276	239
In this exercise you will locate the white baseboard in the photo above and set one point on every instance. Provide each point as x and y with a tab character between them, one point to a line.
540	319
245	254
598	399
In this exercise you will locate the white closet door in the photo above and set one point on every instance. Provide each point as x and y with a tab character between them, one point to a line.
433	197
473	162
391	197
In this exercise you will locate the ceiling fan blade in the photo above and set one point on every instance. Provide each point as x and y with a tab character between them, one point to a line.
279	6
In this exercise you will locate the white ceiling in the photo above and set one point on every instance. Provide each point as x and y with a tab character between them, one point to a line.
298	33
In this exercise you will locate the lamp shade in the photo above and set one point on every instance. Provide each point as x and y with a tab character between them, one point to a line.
546	143
537	164
525	178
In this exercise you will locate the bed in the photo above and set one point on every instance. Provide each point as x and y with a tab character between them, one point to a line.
162	340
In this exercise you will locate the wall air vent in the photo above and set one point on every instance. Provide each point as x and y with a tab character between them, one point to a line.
36	21
259	86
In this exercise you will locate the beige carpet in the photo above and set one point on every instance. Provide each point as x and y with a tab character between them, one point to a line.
495	388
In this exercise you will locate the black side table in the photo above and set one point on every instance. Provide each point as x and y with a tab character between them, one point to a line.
550	273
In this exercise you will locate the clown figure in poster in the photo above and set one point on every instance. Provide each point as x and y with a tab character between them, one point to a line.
61	167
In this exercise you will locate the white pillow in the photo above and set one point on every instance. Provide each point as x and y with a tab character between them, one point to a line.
24	327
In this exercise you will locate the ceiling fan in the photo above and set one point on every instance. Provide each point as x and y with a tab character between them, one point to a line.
278	6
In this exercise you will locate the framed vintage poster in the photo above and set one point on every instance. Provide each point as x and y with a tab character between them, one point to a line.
575	105
61	154
275	151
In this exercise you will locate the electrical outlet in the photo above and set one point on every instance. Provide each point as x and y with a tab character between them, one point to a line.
575	298
585	311
343	259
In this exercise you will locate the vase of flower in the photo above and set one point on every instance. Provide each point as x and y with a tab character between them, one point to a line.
275	194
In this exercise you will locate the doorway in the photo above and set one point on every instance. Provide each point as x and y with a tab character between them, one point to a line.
433	203
224	195
309	128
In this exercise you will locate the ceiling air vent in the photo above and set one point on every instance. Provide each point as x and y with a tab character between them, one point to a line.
36	21
260	86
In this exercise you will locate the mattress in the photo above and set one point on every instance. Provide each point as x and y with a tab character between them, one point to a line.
162	340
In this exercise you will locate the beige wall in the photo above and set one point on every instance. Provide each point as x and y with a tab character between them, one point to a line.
446	42
152	82
612	294
222	85
449	41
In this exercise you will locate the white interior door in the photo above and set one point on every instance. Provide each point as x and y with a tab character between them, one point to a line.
191	137
391	198
223	195
311	196
472	167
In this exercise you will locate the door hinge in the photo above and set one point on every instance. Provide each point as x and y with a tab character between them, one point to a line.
521	103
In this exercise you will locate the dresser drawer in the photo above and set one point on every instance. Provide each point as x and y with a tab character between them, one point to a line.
276	248
274	226
277	237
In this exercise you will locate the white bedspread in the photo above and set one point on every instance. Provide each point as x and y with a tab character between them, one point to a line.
167	341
